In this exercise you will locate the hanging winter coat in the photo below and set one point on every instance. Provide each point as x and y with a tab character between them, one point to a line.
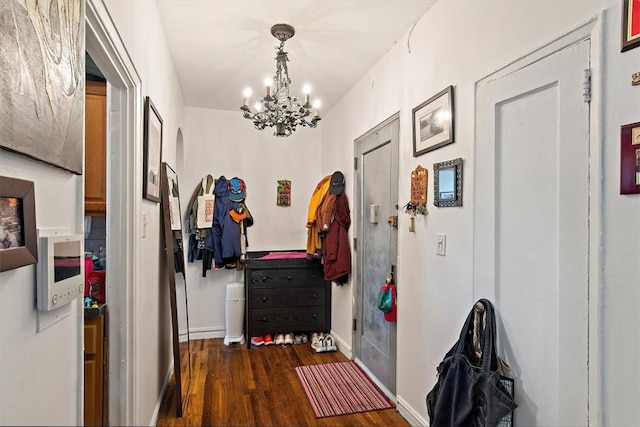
324	216
226	233
336	254
314	244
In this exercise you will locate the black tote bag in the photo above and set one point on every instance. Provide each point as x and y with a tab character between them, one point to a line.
470	391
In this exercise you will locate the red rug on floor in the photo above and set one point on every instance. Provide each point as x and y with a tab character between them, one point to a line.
340	388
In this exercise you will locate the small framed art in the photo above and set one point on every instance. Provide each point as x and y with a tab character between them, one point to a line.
630	159
630	24
18	240
447	183
152	156
433	122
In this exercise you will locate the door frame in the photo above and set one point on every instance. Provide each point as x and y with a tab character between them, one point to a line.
124	140
358	216
591	30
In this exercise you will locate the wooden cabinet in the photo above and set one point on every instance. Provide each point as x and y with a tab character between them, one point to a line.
285	295
95	154
94	367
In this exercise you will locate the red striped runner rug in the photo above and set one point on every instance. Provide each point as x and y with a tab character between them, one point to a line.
340	388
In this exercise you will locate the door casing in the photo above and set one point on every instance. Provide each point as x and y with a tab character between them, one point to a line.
124	140
384	129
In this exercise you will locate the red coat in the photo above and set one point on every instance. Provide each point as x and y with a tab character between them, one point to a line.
336	253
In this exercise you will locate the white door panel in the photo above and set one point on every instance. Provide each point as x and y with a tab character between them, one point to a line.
531	230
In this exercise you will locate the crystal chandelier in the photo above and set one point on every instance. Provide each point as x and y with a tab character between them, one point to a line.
278	107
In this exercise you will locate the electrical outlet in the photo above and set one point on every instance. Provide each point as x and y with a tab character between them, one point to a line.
441	244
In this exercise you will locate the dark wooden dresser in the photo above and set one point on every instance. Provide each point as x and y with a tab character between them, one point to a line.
285	295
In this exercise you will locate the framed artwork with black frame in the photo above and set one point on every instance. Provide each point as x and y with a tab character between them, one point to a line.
152	155
447	183
433	123
18	238
630	24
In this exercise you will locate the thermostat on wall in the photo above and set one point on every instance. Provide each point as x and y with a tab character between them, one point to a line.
60	270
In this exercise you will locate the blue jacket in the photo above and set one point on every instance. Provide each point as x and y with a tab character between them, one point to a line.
225	231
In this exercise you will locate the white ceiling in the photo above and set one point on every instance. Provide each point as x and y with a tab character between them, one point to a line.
219	47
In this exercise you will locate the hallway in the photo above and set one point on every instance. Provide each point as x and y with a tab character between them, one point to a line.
233	386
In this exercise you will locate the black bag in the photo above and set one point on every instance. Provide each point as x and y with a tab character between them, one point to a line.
471	390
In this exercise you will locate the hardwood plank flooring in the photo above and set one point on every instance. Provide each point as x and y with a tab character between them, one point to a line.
233	386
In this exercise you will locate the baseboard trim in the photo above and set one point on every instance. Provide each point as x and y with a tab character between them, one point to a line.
342	345
163	390
410	414
206	333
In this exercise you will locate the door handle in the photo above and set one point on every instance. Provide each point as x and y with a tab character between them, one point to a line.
393	221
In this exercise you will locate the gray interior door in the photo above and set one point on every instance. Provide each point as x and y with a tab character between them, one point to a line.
377	247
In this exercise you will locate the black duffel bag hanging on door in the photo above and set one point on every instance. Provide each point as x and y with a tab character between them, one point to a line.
471	390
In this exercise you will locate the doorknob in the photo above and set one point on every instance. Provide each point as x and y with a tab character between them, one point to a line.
393	221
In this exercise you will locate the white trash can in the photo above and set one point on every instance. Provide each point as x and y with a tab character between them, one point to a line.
234	313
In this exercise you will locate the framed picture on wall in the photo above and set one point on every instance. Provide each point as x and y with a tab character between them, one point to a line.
630	159
630	24
433	122
18	245
42	90
152	155
447	183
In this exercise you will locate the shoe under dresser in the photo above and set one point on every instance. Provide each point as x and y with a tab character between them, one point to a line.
285	293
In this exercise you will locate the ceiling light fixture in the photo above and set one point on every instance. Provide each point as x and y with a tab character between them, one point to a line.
278	107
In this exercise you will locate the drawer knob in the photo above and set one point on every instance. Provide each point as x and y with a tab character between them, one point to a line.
314	315
289	277
264	278
264	299
264	319
314	296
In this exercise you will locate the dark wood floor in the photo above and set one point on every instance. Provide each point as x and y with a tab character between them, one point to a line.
233	386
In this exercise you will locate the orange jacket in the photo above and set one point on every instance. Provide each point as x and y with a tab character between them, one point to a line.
314	243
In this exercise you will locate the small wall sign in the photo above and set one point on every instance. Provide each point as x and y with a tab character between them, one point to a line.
283	197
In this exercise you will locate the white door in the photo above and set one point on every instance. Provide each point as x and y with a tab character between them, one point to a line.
531	229
377	248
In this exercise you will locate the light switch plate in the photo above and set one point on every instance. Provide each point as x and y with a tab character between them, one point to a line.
441	244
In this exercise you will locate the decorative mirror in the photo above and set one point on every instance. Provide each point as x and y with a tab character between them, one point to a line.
174	249
447	183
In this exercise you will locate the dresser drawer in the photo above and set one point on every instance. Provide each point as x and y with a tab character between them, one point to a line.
268	278
285	320
264	298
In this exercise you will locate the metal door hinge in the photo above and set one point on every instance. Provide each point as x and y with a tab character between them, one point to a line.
355	163
586	85
355	324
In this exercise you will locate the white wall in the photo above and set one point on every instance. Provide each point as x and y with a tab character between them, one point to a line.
459	43
620	284
224	143
36	366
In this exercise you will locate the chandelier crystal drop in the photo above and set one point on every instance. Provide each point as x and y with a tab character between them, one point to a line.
278	108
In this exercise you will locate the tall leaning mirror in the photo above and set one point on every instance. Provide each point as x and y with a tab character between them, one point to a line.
170	200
